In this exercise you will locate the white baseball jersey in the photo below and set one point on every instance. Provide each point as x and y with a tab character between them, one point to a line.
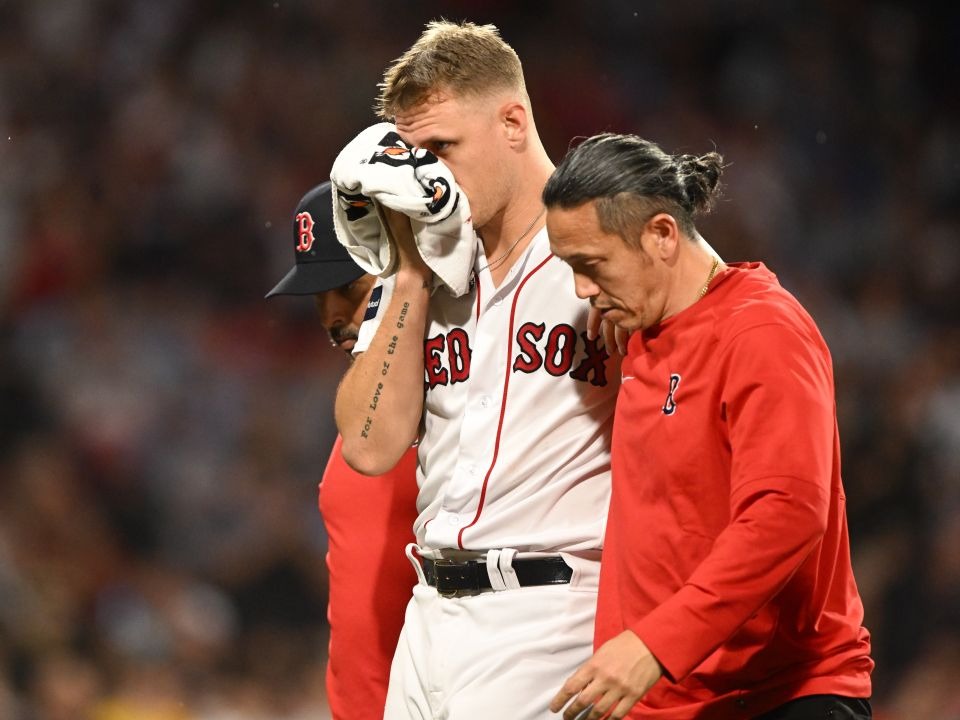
514	447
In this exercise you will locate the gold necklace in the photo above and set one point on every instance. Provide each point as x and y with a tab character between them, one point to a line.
706	285
494	264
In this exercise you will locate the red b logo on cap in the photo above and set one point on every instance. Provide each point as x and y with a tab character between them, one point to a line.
305	233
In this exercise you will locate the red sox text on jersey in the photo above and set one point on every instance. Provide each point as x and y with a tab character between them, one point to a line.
518	408
559	351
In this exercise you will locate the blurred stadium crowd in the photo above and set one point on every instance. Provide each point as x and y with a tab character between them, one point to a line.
163	429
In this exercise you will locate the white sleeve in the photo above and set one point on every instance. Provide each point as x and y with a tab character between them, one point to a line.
376	307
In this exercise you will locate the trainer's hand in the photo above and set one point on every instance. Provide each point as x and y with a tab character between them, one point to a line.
614	337
612	681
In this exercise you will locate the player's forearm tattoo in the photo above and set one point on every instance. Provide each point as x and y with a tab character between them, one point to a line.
391	349
376	396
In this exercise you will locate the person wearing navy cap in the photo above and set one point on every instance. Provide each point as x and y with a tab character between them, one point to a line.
368	520
325	270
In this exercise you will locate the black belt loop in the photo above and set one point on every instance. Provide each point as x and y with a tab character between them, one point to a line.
454	578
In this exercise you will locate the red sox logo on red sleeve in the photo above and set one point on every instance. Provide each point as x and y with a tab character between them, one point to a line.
561	351
670	405
304	232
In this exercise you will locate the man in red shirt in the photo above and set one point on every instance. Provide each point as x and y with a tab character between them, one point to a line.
369	520
726	590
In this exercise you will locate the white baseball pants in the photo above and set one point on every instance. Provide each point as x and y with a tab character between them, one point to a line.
499	655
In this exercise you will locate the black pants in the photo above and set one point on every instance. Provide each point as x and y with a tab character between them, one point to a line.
821	707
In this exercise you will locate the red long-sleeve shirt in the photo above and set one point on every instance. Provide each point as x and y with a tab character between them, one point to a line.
369	520
726	549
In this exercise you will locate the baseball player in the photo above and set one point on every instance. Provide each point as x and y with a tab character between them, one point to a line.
368	519
511	403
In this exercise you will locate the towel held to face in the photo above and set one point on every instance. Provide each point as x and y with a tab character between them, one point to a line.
378	169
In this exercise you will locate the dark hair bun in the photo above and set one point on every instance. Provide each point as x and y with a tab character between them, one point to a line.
700	179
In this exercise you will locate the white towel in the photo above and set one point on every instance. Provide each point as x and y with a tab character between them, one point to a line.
378	168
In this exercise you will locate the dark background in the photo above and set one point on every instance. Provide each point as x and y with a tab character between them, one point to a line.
163	429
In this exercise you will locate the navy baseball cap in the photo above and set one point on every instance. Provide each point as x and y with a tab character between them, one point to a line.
322	263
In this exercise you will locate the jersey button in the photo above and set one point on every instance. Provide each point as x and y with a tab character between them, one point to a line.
485	401
498	301
453	520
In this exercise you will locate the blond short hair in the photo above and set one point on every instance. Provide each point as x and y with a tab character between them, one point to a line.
467	59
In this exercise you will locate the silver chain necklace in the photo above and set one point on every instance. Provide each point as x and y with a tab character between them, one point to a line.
494	264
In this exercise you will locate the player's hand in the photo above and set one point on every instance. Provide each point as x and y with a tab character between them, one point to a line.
611	682
407	253
614	337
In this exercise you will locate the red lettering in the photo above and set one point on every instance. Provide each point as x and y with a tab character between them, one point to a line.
595	362
561	344
458	350
304	232
436	373
529	359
